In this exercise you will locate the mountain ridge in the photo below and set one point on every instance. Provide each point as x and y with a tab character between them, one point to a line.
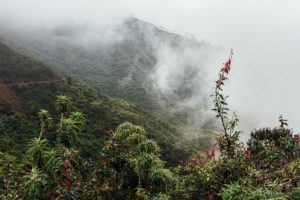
124	62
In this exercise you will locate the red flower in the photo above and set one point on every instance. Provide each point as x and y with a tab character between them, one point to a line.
261	180
207	154
213	151
296	137
247	154
227	66
65	166
109	132
221	79
200	159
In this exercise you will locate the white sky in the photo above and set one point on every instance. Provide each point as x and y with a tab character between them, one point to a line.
265	35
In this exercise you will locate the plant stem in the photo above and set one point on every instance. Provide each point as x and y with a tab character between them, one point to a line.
42	132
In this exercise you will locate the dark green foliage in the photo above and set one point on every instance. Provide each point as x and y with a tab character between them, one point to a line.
160	197
239	192
15	133
148	146
50	171
140	174
68	132
36	150
11	174
295	194
18	68
63	104
35	181
272	148
160	179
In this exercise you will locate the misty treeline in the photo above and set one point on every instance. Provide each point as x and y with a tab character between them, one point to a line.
129	165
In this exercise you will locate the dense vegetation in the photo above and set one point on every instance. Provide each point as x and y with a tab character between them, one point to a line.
36	87
129	165
108	82
31	70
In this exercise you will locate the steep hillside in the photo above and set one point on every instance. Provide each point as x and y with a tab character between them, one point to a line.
36	87
126	61
19	68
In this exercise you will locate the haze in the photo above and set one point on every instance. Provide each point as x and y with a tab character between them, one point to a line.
264	34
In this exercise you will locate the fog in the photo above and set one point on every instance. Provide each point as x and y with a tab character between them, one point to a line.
264	34
266	40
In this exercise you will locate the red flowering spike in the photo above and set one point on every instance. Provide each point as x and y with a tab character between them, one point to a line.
213	151
200	159
229	62
207	154
261	180
296	137
248	154
226	70
65	165
222	77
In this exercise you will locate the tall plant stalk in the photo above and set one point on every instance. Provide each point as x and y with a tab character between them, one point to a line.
229	137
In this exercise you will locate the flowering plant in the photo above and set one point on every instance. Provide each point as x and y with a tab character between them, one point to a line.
228	141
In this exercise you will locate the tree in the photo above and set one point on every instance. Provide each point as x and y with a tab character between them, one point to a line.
148	146
68	132
78	118
160	179
130	167
53	162
34	182
36	151
54	167
63	104
45	120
